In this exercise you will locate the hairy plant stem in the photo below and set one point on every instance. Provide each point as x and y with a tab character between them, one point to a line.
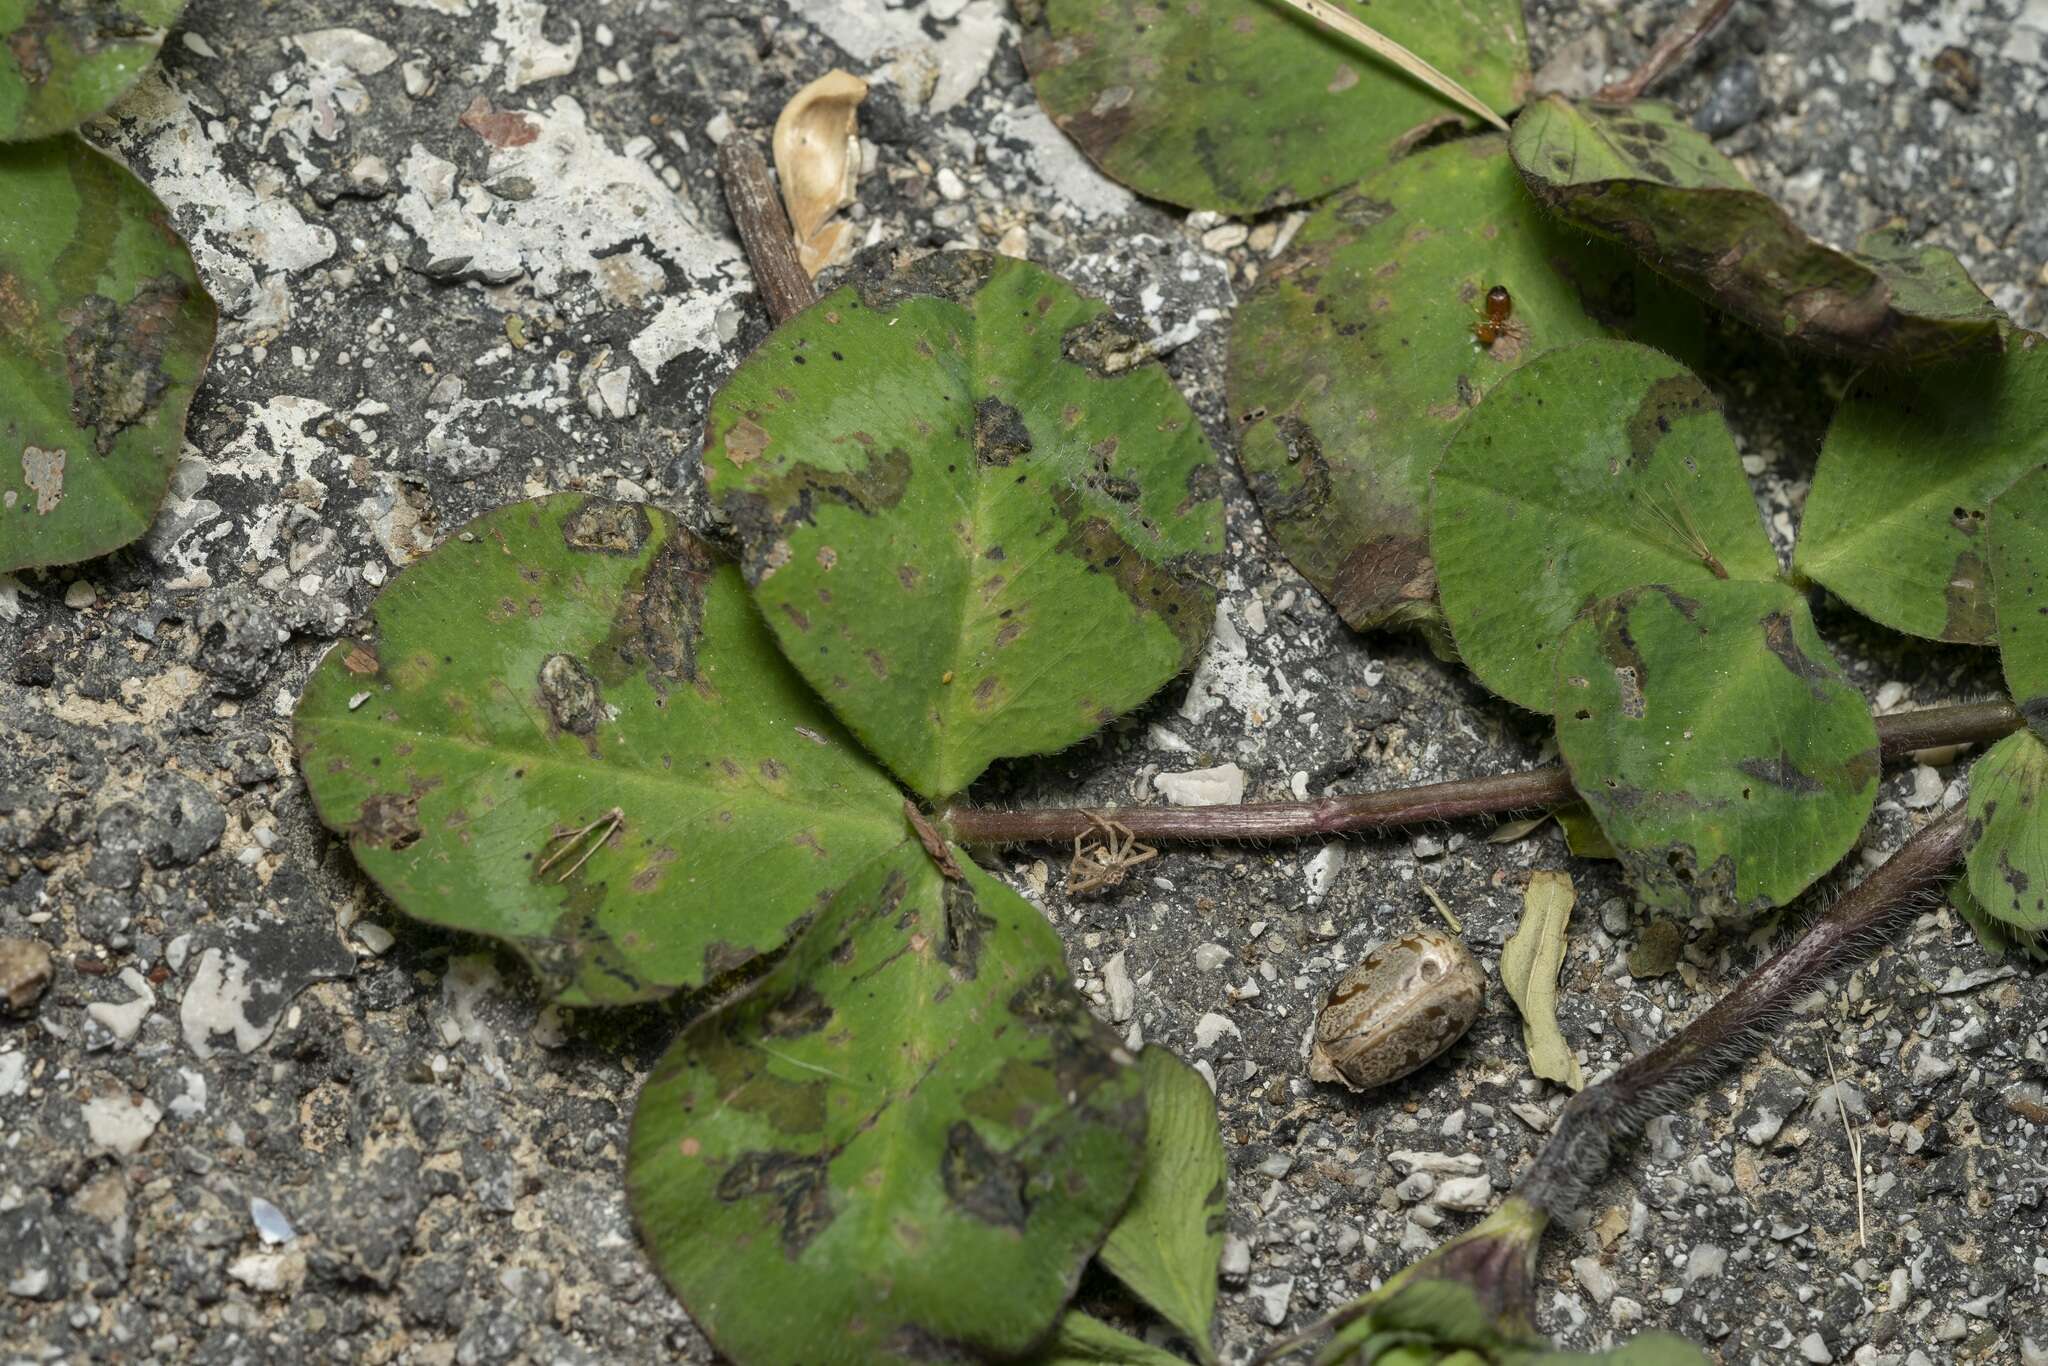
1602	1116
1674	47
1429	803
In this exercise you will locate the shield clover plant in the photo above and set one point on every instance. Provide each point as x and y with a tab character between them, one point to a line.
969	526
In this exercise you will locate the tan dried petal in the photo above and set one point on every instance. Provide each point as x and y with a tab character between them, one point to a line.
817	159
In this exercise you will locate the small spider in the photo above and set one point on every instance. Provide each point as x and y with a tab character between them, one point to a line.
1497	320
1103	855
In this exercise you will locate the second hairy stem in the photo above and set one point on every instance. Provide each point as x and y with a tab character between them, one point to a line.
1675	1071
1898	734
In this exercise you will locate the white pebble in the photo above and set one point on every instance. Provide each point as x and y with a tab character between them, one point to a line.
1222	785
1272	1301
1212	1027
1466	1192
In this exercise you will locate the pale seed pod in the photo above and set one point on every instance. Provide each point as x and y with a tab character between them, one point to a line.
1410	999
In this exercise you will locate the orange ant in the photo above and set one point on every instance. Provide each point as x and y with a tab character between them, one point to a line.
1496	319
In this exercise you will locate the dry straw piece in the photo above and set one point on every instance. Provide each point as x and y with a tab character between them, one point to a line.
817	159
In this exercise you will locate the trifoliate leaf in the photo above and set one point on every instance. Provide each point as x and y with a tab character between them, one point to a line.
1728	758
104	333
1896	524
977	522
568	729
1245	105
1641	175
1354	357
903	1142
1591	470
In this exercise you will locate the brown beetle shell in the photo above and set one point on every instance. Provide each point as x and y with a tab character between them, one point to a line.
1410	999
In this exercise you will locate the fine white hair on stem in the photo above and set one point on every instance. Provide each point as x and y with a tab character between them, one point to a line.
1597	1120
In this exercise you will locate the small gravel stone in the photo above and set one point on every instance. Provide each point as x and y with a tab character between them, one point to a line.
1222	785
1222	239
950	186
1814	1348
25	968
1272	1301
1236	1262
1705	1263
1466	1192
1735	101
1595	1278
1212	1027
1117	985
1211	957
1931	1066
1779	1094
1415	1186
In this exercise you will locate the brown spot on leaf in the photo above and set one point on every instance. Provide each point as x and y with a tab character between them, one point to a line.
1780	772
801	1012
1667	402
388	821
1780	641
1000	435
981	1182
746	441
795	1182
606	527
1178	591
1105	345
661	616
114	356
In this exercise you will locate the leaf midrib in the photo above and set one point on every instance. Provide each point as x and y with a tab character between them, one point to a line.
810	803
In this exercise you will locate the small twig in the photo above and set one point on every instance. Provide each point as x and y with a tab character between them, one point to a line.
764	228
1855	1147
611	820
1441	909
1673	48
1385	48
1898	734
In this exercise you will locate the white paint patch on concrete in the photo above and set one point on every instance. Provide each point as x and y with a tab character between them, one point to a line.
895	40
587	200
469	980
1054	159
235	230
1226	676
529	56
